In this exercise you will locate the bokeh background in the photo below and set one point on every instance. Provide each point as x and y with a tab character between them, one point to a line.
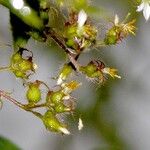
116	116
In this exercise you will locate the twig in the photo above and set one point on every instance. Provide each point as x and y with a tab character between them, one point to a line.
4	68
72	56
7	97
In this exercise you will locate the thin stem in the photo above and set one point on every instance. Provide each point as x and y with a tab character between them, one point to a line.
35	113
73	57
74	62
52	34
4	68
34	106
20	105
7	97
44	84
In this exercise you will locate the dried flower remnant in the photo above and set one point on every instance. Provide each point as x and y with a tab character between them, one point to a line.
22	67
119	31
112	72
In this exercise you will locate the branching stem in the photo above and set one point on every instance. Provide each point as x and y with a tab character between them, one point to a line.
20	105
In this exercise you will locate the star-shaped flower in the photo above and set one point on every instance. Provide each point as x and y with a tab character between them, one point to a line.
145	7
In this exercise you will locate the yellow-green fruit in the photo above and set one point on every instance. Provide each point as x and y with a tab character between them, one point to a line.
60	108
56	97
33	94
19	74
25	65
51	122
89	70
16	58
112	37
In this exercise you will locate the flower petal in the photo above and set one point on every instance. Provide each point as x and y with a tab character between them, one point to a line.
80	124
146	11
82	17
64	130
140	7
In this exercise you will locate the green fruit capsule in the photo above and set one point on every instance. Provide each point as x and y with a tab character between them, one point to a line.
25	65
53	124
16	57
33	93
111	37
56	97
70	43
89	70
20	74
61	108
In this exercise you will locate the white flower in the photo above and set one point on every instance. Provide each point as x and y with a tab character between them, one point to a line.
64	130
60	80
82	17
116	21
145	7
80	124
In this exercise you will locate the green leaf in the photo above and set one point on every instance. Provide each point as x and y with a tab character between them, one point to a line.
6	144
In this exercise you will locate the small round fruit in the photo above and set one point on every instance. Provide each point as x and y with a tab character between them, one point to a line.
16	57
20	74
33	94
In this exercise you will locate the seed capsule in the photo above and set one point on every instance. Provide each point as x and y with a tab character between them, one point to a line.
61	108
52	123
33	93
16	57
112	37
56	97
25	65
20	74
89	70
